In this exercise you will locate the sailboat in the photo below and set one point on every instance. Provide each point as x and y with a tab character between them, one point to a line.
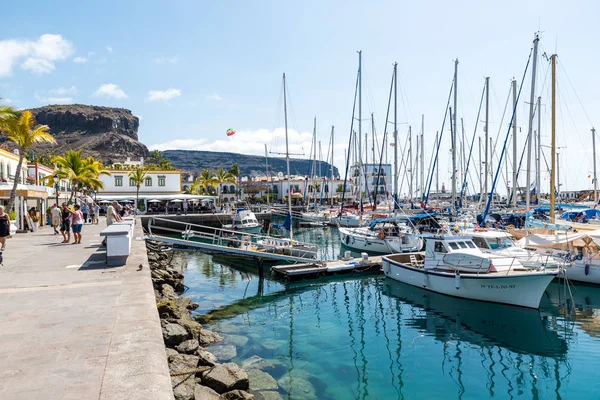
287	246
387	235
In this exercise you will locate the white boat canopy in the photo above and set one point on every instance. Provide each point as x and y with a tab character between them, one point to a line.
561	240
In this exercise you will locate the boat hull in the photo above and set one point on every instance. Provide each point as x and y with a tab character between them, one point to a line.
524	290
577	271
375	245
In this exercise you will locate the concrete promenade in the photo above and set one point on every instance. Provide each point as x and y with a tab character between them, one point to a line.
72	328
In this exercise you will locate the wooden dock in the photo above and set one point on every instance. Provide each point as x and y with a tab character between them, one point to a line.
325	268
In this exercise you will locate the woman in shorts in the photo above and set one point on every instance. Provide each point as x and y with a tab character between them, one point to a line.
77	223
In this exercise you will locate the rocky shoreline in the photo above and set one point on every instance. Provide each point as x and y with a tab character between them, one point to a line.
195	372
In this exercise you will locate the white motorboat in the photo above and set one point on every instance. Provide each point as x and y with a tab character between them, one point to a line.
346	220
288	247
502	244
244	221
383	236
456	267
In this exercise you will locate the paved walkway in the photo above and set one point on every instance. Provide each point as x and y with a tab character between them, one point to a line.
72	328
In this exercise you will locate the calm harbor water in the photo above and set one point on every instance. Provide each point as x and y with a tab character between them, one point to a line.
373	338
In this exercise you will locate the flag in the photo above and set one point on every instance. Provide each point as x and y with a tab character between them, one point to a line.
230	132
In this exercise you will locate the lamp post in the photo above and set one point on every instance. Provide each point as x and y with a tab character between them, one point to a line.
56	183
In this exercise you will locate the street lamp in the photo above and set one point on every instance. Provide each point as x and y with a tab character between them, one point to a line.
56	182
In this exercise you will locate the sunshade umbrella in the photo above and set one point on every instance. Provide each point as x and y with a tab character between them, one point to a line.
154	201
176	201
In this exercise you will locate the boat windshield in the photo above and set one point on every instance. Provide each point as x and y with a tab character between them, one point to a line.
500	243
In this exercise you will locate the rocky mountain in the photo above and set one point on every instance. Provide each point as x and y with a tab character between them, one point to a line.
195	160
109	134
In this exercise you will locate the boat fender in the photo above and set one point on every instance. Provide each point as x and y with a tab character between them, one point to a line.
347	239
457	281
381	235
424	279
386	267
587	269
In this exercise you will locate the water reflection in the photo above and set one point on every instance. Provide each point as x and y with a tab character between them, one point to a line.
449	318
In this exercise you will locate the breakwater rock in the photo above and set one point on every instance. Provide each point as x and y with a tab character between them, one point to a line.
195	372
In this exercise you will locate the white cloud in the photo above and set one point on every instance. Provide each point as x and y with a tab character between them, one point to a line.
7	101
109	49
214	96
163	95
80	60
110	90
40	55
166	60
59	95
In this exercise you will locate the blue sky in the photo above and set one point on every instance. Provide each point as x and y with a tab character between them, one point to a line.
193	69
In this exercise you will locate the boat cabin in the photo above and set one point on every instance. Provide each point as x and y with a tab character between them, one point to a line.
492	240
390	226
244	218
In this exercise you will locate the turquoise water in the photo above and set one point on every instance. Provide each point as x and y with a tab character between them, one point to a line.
373	338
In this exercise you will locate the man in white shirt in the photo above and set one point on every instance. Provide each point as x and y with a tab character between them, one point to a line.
56	218
112	214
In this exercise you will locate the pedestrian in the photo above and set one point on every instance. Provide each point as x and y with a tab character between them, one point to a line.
77	220
56	214
33	217
4	230
65	224
185	206
96	212
92	213
85	210
112	216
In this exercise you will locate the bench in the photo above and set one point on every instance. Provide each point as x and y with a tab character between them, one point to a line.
118	242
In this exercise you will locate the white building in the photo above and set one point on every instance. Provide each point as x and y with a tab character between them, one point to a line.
375	178
325	189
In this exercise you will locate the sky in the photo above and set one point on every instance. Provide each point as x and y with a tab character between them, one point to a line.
190	70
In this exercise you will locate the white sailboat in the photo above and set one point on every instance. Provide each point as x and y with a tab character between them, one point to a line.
456	267
287	246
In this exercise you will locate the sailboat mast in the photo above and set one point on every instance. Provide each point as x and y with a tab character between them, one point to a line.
417	166
422	156
287	157
395	136
487	150
595	176
267	173
437	169
553	140
514	143
529	139
481	195
454	138
373	136
360	167
410	166
332	189
538	177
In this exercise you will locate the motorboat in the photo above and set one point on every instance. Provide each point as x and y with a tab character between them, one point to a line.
383	236
501	243
346	220
454	266
287	247
244	221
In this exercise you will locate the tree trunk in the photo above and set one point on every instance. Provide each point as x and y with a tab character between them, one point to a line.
13	192
137	198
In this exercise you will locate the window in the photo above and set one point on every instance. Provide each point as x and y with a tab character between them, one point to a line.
231	189
148	181
463	245
480	242
439	248
453	245
131	182
471	245
118	181
161	181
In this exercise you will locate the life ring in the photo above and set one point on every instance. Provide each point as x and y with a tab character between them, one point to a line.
381	235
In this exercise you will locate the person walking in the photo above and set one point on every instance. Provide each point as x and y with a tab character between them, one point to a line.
96	212
92	213
77	220
185	206
56	218
85	210
4	231
112	216
65	224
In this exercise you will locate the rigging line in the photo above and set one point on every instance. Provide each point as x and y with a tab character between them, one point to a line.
574	91
491	194
349	144
464	185
387	115
498	135
403	161
405	102
434	159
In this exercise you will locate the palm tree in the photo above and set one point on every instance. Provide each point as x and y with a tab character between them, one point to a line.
204	181
223	177
80	172
6	113
156	155
235	171
23	132
137	176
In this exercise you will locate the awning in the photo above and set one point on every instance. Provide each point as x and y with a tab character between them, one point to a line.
160	197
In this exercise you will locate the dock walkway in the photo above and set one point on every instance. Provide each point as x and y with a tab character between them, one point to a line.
73	328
